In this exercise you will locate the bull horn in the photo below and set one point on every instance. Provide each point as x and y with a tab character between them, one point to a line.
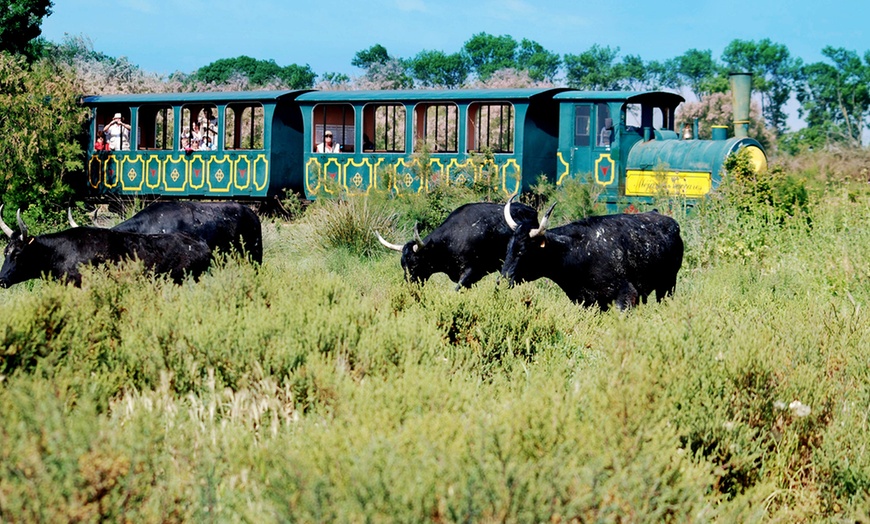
417	238
507	214
6	229
394	247
21	224
543	226
72	222
418	242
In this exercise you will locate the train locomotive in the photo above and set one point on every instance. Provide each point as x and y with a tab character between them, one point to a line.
258	145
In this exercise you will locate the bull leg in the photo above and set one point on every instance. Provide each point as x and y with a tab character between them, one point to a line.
469	276
666	289
627	297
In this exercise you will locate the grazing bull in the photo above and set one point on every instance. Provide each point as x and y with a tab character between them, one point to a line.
468	245
599	260
225	226
60	254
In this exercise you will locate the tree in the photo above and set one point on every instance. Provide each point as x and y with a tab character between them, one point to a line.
438	69
20	22
258	72
376	54
634	73
487	53
835	98
41	127
699	71
774	73
542	65
593	69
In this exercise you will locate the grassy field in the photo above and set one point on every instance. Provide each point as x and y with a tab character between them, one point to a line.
320	387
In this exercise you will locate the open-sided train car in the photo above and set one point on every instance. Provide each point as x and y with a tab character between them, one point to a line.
221	145
403	141
259	144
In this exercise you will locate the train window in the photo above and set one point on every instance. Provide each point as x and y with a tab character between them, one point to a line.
244	126
384	127
491	126
437	126
199	127
117	136
582	118
604	124
155	127
336	120
632	116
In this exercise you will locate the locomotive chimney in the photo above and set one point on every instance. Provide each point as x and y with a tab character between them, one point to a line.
741	92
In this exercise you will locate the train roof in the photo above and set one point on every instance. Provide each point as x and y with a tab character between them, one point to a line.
415	95
625	96
210	96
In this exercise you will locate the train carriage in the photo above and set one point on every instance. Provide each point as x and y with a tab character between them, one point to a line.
237	145
461	136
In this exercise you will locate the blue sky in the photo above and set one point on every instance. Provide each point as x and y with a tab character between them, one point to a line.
165	36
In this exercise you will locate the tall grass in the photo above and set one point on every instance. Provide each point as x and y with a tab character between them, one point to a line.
321	386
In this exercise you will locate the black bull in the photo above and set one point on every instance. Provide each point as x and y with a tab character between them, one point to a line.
599	260
468	245
225	226
61	254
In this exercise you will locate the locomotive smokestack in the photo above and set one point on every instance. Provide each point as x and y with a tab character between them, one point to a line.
741	92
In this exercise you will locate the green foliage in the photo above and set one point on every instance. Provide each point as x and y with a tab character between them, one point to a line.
594	69
542	65
376	54
258	72
20	22
438	69
699	71
773	193
41	126
835	97
348	223
488	53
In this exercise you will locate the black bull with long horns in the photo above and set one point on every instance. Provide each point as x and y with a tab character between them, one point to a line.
468	245
225	226
598	260
61	254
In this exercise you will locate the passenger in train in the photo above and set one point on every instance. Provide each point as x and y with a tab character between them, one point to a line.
117	133
328	146
100	144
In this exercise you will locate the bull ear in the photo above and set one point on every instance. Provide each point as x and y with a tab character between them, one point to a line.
21	224
543	226
6	229
507	214
72	223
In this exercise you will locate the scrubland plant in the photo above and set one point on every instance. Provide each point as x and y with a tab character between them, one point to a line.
321	386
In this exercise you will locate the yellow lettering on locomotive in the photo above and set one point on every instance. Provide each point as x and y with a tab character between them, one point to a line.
682	183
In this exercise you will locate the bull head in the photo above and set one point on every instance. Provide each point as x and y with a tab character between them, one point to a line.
513	224
418	242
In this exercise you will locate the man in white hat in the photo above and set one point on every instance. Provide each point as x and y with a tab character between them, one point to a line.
117	133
